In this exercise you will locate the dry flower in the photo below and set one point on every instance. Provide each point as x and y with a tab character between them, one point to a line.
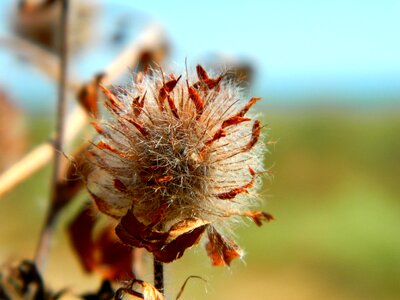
178	157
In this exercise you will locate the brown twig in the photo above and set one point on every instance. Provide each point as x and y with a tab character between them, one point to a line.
41	155
46	234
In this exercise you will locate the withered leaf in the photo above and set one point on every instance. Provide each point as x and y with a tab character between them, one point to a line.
181	236
221	250
236	191
134	233
103	254
166	246
255	135
195	97
80	233
234	121
203	77
258	217
88	95
166	89
137	125
249	104
114	104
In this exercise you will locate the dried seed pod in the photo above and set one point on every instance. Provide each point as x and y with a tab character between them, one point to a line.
188	155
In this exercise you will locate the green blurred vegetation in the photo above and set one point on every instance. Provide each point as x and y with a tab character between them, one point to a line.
334	193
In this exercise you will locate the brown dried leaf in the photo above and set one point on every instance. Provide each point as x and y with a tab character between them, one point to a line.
219	134
255	135
203	77
138	104
234	121
181	236
104	146
88	95
259	216
114	104
104	253
195	97
80	233
166	246
134	233
138	126
165	90
172	106
221	250
249	104
243	189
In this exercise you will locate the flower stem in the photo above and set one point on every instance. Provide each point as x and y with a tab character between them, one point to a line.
158	275
52	214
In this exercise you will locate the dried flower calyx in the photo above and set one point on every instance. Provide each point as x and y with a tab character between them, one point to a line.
178	157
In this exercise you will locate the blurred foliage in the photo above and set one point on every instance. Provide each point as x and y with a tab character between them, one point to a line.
334	194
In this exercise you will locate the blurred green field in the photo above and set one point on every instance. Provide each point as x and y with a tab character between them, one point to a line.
335	195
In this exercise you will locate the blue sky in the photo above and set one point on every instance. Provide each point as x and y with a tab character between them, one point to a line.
338	44
300	49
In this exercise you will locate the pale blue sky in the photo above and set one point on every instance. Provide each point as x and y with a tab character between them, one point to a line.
337	44
301	49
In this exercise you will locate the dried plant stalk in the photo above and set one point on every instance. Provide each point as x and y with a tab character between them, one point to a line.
45	237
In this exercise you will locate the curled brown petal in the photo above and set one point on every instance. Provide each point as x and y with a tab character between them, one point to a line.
221	250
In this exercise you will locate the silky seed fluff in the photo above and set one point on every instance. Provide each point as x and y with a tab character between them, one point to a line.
179	147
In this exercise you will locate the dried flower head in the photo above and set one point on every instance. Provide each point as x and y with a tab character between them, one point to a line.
179	157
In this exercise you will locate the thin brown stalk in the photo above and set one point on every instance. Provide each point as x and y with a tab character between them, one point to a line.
158	275
45	237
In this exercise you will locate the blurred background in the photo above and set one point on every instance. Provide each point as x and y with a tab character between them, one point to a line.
329	73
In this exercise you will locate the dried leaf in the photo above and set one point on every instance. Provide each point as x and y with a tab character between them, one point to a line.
203	77
255	135
138	126
114	104
88	95
243	189
104	146
195	97
219	134
166	246
138	104
249	104
181	236
104	253
221	250
134	233
259	216
166	89
234	121
172	106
